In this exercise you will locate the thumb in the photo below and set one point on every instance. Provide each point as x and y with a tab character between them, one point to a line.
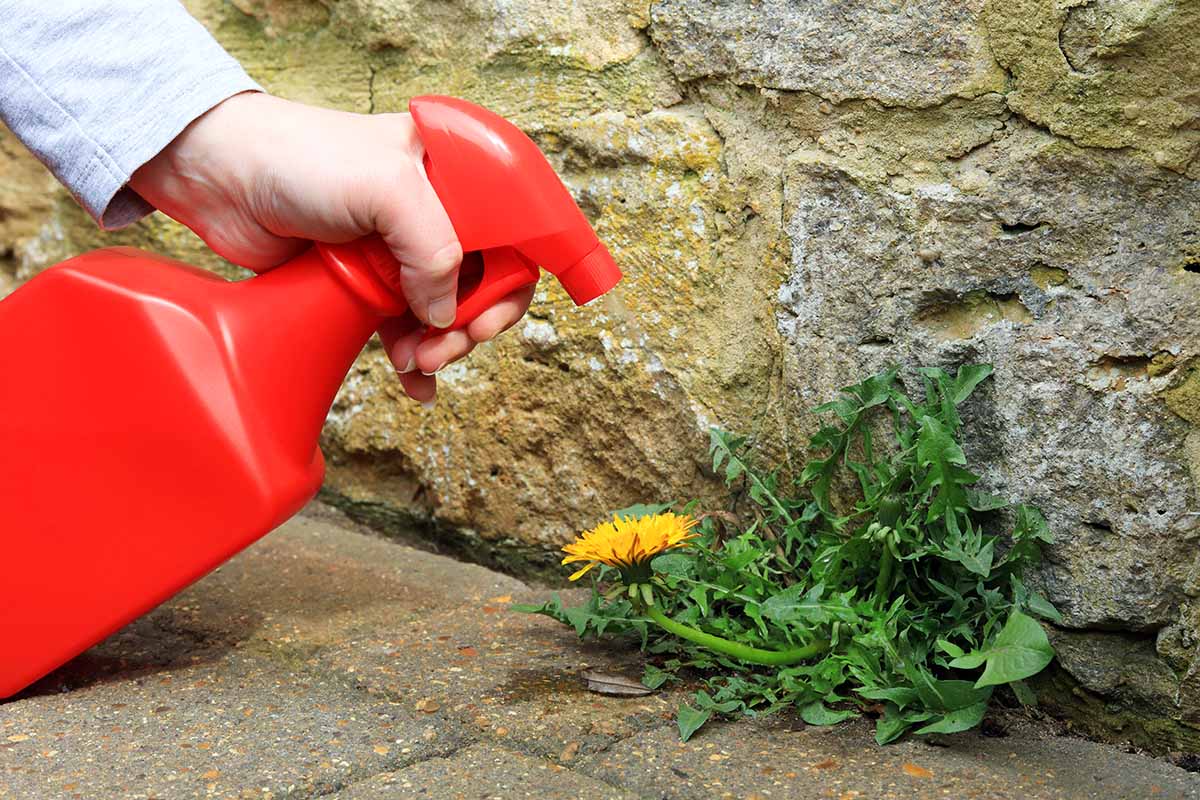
419	233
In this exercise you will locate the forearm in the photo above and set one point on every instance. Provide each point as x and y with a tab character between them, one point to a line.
95	88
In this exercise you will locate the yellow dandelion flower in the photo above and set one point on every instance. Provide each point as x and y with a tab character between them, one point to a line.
628	543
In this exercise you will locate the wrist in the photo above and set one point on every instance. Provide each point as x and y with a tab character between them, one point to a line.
214	152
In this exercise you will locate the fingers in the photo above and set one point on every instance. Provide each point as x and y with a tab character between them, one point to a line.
438	351
420	236
422	388
502	316
400	336
417	359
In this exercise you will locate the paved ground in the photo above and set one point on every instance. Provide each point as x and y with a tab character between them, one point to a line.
327	663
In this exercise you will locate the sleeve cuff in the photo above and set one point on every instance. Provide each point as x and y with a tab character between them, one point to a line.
104	192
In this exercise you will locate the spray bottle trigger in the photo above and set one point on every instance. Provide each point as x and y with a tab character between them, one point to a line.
485	278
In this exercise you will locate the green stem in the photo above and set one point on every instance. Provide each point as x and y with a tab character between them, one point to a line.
883	582
741	652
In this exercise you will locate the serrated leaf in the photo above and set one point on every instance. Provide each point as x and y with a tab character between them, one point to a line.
690	720
798	602
706	702
1030	524
699	595
936	445
983	501
969	376
978	562
678	564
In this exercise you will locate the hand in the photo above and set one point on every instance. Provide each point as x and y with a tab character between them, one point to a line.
258	177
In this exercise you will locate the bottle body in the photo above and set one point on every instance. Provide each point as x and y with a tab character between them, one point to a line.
155	420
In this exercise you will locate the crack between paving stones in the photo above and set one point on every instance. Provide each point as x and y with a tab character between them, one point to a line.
504	743
355	777
466	744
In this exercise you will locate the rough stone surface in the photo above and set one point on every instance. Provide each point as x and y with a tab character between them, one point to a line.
901	54
323	662
799	193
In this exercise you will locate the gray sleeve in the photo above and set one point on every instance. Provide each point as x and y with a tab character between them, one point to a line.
96	88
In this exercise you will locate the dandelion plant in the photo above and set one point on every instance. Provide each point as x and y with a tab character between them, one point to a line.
877	581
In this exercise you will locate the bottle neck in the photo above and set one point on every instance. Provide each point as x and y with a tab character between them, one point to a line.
368	269
297	330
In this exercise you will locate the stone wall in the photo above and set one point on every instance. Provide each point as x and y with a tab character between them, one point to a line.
800	193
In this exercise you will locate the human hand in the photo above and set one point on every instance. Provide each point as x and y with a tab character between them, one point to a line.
258	177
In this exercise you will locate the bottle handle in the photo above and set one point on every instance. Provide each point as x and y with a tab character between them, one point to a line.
485	278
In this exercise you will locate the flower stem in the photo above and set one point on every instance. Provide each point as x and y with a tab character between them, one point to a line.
741	652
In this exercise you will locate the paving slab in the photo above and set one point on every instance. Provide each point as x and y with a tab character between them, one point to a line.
229	727
323	661
769	759
484	772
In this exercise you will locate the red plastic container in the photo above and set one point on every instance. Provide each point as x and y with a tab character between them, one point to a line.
156	419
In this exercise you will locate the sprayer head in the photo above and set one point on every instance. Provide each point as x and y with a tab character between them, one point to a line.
590	276
500	191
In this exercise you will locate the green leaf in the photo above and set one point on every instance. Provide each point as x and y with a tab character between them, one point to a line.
936	446
676	564
706	702
653	677
955	694
818	714
960	719
641	510
795	603
699	595
1025	695
950	648
893	724
1042	607
528	608
901	696
690	720
983	501
968	377
971	660
1030	524
1019	651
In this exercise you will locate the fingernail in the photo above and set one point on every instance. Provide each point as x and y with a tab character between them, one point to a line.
441	312
436	371
410	366
428	404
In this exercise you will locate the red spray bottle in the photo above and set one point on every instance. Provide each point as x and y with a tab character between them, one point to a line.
156	419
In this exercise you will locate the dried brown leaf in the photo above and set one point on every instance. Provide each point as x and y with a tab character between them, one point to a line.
602	683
